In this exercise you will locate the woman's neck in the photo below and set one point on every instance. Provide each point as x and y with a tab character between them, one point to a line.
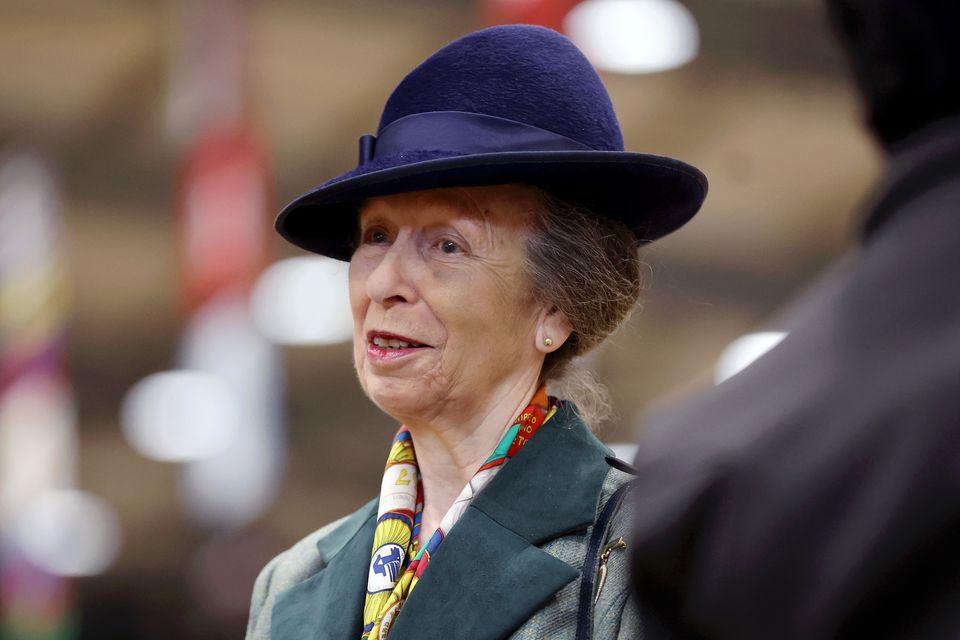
452	446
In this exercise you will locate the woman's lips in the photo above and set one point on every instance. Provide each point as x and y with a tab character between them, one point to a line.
387	347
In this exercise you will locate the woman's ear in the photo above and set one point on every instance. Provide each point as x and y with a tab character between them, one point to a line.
553	329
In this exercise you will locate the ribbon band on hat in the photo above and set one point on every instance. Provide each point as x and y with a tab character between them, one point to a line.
462	132
507	104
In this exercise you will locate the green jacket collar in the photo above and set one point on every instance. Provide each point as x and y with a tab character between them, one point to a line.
489	575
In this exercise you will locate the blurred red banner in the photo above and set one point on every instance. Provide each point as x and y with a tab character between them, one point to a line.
547	13
224	204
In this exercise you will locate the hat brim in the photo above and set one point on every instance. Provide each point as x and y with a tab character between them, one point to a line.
653	195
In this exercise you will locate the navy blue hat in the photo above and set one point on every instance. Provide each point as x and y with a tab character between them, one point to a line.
514	103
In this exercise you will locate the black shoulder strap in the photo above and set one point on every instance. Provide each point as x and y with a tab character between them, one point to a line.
592	560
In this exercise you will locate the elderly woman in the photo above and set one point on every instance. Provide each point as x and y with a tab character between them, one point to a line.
492	230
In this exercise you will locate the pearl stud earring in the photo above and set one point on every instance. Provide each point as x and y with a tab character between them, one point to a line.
548	342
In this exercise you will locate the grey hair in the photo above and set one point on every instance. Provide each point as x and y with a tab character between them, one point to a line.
589	269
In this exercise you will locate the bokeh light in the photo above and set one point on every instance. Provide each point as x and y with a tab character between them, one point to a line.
38	440
303	301
235	485
625	451
178	416
744	351
634	36
69	533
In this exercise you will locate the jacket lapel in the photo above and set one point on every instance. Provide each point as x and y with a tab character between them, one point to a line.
489	576
329	604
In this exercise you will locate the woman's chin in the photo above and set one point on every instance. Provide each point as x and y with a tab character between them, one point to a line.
399	398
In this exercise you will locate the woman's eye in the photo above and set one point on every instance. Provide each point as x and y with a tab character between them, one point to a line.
376	236
449	246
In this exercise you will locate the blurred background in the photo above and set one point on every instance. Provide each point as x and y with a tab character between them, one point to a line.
177	398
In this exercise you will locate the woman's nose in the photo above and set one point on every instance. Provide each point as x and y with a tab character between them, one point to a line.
391	281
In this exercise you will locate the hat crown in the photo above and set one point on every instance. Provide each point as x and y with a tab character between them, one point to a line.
523	73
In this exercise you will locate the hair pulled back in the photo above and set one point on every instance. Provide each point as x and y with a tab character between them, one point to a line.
588	267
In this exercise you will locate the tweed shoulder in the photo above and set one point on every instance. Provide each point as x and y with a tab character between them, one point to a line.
616	614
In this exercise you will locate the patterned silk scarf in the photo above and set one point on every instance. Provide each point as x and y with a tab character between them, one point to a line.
393	574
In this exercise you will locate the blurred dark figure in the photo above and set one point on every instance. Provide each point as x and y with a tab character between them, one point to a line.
817	493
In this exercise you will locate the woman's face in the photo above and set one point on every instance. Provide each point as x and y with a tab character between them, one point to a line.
442	310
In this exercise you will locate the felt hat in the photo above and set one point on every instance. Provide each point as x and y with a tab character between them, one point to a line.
514	103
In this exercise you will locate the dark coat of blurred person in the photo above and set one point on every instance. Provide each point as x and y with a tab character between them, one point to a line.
817	493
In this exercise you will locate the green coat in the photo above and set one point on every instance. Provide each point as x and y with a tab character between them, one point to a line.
509	568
